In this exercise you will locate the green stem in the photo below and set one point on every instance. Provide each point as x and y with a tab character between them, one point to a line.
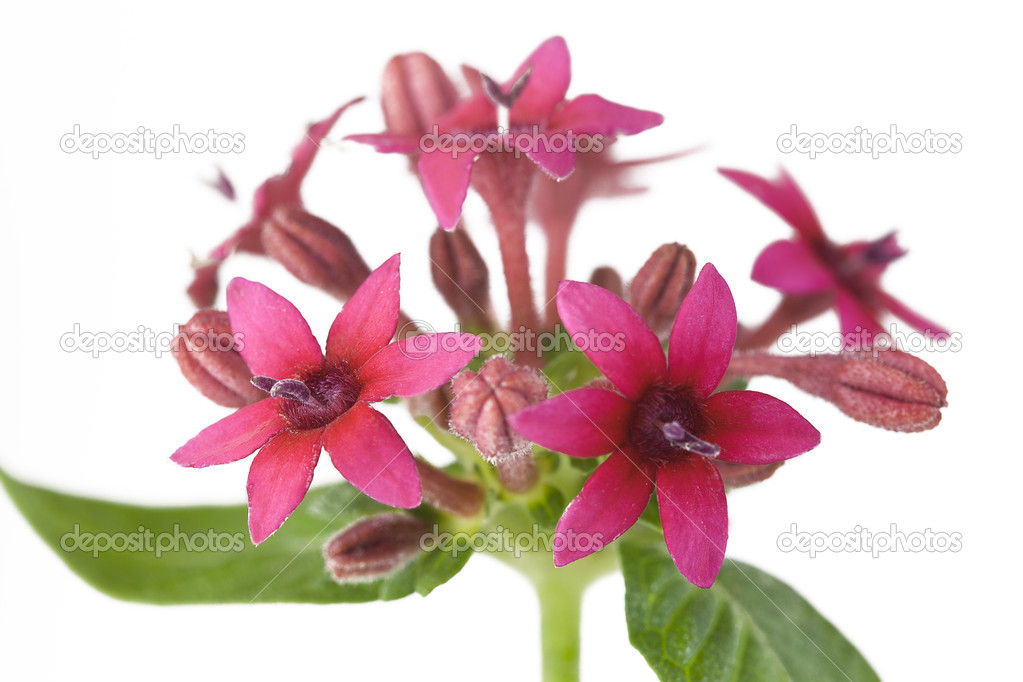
560	607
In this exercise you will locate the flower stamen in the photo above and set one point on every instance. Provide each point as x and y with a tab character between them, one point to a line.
292	389
680	438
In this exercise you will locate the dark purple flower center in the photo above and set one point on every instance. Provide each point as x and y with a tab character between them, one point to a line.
667	424
314	398
859	266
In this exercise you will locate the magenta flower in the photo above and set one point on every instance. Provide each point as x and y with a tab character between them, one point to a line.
282	190
811	263
664	427
540	123
323	401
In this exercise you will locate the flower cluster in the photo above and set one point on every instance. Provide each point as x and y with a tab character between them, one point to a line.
665	411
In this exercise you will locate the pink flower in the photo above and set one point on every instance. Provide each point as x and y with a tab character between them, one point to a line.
280	191
323	401
812	263
664	426
540	124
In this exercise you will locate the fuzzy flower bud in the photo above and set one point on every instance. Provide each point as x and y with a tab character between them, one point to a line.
479	413
374	547
315	251
461	276
608	278
447	493
415	92
740	475
657	290
889	389
206	352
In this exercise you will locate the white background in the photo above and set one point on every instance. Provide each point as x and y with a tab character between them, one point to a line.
105	243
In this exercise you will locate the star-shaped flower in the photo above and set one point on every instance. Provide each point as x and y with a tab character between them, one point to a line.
277	192
540	124
664	425
811	263
319	400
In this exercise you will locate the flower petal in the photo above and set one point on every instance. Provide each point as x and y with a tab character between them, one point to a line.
782	196
594	115
445	177
235	436
703	335
557	164
755	428
694	514
913	319
370	454
855	319
305	152
548	82
586	422
610	502
275	340
368	320
613	336
279	478
417	364
791	267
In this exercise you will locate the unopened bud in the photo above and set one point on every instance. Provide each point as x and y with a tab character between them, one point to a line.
889	389
740	475
657	290
204	349
482	404
415	92
374	547
314	251
461	276
447	493
203	289
608	278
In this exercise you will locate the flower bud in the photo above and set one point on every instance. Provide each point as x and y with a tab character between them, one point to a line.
740	475
889	389
657	290
415	92
447	493
315	251
204	349
608	278
483	402
461	276
374	547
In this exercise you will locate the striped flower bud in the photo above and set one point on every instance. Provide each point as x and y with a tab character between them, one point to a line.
207	353
657	290
374	547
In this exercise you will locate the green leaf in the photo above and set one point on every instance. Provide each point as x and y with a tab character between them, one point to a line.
748	626
191	555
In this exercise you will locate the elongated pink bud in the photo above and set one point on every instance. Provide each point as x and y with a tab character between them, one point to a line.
207	353
374	547
889	389
461	276
608	278
657	290
314	251
741	475
447	493
415	92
